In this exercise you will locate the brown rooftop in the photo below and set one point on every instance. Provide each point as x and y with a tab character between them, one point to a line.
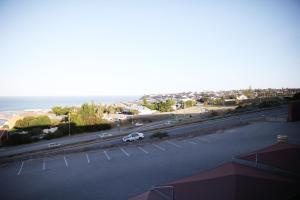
281	155
236	181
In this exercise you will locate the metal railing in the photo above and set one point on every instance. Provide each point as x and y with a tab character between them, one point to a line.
164	196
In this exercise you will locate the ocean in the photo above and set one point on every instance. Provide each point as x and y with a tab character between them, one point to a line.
11	104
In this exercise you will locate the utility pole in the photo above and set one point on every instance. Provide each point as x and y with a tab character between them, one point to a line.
184	110
69	124
119	125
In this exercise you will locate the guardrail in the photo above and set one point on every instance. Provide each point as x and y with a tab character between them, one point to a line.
259	165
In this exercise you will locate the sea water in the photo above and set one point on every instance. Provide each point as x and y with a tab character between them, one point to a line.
11	104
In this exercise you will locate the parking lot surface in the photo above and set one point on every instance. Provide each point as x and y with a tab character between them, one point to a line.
122	172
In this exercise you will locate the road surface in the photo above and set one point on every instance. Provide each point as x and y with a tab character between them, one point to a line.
8	151
123	172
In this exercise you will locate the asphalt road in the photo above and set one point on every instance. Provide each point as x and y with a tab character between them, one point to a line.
8	151
123	172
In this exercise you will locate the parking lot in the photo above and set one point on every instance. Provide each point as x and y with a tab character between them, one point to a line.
122	172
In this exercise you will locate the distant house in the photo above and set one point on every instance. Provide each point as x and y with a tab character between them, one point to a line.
50	130
145	111
242	97
229	102
141	109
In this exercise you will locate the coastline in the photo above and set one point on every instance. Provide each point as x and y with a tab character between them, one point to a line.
11	117
10	104
14	108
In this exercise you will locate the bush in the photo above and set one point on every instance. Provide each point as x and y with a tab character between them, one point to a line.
214	113
161	106
91	128
159	135
133	112
5	126
63	130
58	110
189	103
36	131
16	139
29	122
268	104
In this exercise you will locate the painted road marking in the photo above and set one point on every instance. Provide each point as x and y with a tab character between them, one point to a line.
191	142
19	172
126	153
143	150
172	143
87	157
106	154
159	147
44	164
66	161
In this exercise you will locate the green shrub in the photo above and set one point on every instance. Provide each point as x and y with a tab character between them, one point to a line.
58	110
189	103
35	131
63	130
268	104
16	139
159	135
214	113
5	126
29	122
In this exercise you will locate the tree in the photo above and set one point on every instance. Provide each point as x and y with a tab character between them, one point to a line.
58	110
86	115
164	106
134	112
219	101
145	102
5	126
189	103
249	93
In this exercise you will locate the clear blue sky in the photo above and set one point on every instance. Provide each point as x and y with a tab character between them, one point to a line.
141	47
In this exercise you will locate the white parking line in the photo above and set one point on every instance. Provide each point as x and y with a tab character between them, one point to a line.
66	161
44	165
19	172
191	142
146	152
87	157
126	153
159	147
106	154
172	143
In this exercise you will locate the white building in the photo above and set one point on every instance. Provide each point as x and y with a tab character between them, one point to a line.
242	97
50	130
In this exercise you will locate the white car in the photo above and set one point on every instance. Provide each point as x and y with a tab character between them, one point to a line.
103	135
54	144
133	136
138	124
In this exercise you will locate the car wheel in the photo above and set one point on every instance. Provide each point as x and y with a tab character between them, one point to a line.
140	138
